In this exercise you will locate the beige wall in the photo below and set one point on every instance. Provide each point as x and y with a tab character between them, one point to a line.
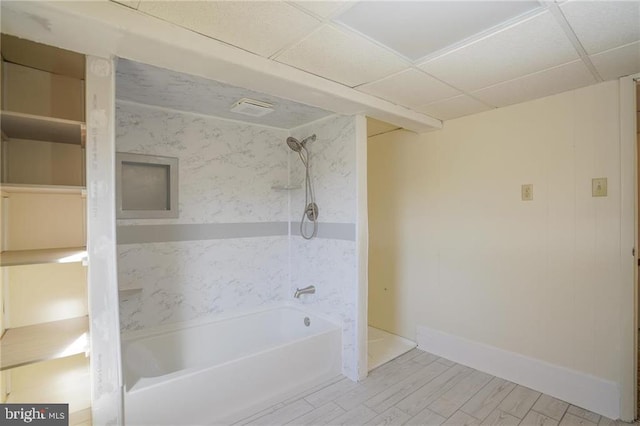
458	251
39	221
43	163
70	375
44	293
31	91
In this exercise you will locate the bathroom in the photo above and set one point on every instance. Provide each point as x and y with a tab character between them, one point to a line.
236	246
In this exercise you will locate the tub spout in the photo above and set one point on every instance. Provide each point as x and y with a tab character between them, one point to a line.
307	290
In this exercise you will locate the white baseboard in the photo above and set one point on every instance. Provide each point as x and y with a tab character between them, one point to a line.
583	390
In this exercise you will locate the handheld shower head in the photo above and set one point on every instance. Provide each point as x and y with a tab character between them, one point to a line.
311	208
294	144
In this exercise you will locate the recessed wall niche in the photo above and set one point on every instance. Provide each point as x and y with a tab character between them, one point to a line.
146	186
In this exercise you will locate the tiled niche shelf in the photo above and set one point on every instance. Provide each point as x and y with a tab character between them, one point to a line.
128	292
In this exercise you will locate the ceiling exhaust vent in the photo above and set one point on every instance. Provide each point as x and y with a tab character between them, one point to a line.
252	107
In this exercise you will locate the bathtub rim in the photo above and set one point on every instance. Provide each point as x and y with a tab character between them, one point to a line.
129	335
156	381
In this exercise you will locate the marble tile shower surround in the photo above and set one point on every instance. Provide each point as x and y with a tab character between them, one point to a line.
329	264
170	89
226	169
226	173
333	169
191	280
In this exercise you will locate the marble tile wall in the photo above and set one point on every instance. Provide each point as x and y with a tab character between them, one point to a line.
329	264
226	170
189	280
333	169
226	173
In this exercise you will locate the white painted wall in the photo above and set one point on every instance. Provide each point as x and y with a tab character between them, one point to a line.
460	253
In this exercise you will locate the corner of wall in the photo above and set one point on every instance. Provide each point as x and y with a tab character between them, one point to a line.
362	246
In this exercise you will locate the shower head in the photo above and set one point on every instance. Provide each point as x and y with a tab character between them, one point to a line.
294	144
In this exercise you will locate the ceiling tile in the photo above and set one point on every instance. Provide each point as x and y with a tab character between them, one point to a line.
603	25
410	88
455	107
532	45
416	29
377	127
342	56
322	8
618	62
262	27
544	83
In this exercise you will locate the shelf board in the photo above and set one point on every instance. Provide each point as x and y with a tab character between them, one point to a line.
42	342
35	257
16	125
80	417
64	380
25	188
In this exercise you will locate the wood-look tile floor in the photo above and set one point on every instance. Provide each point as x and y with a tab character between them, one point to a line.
419	388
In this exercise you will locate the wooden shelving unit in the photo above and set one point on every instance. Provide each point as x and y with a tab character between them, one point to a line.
41	342
45	323
40	256
16	125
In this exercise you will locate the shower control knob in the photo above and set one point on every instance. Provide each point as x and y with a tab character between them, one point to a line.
312	212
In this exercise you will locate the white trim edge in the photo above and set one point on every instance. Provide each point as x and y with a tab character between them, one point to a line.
581	389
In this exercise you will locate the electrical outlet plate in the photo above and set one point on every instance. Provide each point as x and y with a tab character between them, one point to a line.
599	187
527	192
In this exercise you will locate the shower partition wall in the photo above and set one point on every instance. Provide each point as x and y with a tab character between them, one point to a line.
330	261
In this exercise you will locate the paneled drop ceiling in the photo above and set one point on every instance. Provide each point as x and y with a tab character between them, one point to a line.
445	59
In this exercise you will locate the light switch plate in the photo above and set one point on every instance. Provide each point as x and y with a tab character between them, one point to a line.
527	192
599	187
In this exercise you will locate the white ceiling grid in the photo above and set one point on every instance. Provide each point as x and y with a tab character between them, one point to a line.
446	59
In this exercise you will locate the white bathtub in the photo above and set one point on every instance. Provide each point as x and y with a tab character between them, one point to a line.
215	372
